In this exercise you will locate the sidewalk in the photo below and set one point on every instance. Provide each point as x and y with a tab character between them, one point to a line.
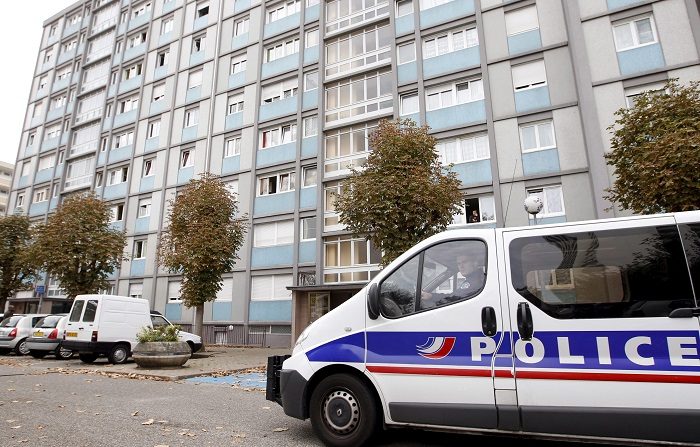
216	360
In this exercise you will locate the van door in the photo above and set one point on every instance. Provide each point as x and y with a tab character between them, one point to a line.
81	321
599	348
431	349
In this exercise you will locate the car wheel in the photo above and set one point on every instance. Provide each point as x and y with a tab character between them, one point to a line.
38	354
63	353
87	358
21	347
343	411
118	354
191	345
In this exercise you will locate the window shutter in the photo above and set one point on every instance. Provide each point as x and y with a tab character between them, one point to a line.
521	20
261	288
528	74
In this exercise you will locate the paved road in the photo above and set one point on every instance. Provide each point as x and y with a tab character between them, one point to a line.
77	409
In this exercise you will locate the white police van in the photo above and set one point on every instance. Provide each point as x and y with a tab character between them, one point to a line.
587	329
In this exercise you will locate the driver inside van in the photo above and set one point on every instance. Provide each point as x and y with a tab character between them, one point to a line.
471	282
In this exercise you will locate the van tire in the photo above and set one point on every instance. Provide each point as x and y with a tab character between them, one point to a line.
87	358
343	411
118	354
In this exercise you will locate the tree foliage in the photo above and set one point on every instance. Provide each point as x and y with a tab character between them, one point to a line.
78	247
401	194
16	271
201	240
656	151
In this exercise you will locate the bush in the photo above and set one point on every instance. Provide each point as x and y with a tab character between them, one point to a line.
158	333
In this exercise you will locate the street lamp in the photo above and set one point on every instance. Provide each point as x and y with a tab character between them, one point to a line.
533	205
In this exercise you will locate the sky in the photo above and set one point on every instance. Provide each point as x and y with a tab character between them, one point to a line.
22	25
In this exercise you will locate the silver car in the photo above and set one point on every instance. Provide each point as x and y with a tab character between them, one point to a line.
47	337
14	332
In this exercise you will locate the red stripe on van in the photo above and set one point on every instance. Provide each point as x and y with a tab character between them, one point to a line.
607	377
417	370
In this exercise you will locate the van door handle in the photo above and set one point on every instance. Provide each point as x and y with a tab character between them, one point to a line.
488	321
525	325
685	312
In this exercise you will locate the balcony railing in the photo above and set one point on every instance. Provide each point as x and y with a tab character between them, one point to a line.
381	9
89	115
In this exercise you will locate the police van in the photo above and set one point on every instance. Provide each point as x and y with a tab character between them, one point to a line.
581	330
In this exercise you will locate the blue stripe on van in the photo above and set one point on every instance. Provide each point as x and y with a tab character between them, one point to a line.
349	349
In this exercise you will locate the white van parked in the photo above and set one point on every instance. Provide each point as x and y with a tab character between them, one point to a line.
582	330
108	324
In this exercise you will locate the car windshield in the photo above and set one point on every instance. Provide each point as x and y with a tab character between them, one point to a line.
50	321
11	321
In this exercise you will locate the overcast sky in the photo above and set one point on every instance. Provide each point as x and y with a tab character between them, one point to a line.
20	29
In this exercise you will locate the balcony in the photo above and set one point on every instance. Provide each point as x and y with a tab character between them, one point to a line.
532	99
99	27
446	12
285	24
90	115
276	109
456	116
141	225
82	181
378	11
139	20
94	84
133	52
523	42
125	118
541	162
641	59
231	164
276	154
274	203
451	62
120	153
276	256
280	65
372	59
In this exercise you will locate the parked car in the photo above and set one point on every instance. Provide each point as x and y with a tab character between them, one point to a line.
195	341
47	338
15	330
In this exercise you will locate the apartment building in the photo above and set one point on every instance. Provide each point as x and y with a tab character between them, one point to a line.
131	99
6	170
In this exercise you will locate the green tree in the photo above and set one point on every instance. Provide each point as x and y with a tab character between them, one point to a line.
656	151
78	247
201	240
401	194
16	272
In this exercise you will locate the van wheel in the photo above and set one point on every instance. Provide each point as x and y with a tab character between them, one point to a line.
118	354
87	358
38	354
343	411
21	348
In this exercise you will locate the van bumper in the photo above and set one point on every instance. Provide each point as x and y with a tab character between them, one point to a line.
286	387
88	347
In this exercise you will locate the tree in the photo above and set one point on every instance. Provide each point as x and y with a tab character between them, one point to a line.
656	151
78	247
16	272
201	240
401	194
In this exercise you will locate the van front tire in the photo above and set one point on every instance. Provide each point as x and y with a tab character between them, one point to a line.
343	411
118	354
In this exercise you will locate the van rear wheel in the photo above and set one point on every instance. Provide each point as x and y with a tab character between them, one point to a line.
118	354
343	411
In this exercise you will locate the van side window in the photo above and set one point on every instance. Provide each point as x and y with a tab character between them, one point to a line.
623	273
441	275
691	244
90	311
77	311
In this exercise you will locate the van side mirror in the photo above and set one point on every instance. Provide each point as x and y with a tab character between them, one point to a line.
373	302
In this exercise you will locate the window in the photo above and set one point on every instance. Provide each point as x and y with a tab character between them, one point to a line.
62	73
58	101
124	139
632	94
136	40
310	81
103	144
174	291
30	139
162	58
136	290
276	183
144	208
233	147
79	173
310	126
342	257
407	52
153	129
521	20
529	75
538	136
149	167
74	19
270	287
476	210
275	136
140	249
232	187
195	79
273	233
307	227
463	149
48	55
346	147
202	9
52	30
117	212
46	162
634	33
282	10
186	158
427	4
367	94
53	131
281	49
68	46
404	7
140	10
98	179
280	90
26	168
409	103
311	38
308	176
362	47
552	198
166	25
449	42
54	190
621	273
127	105
342	14
20	200
453	94
241	26
42	82
238	63
38	108
41	195
331	219
198	43
191	117
235	104
117	176
132	72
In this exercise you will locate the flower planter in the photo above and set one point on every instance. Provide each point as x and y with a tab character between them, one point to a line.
161	354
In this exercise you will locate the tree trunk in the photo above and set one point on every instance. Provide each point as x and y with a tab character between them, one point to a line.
199	323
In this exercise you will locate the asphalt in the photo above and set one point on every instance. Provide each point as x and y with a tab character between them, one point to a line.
215	361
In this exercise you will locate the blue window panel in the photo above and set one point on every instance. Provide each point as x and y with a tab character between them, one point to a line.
59	171
276	154
309	147
116	59
279	108
280	65
141	225
271	256
165	38
43	176
414	116
63	57
279	310
446	13
101	158
53	204
69	108
140	20
146	183
131	53
307	197
112	90
52	115
459	115
160	72
23	181
125	118
282	25
311	13
404	24
221	310
523	42
201	22
61	84
130	84
534	98
231	164
173	311
236	79
119	226
35	121
234	120
36	209
311	55
473	172
122	153
114	191
274	203
29	150
407	72
71	29
241	5
239	41
450	62
307	251
641	59
541	162
49	144
151	144
184	175
614	4
107	124
157	107
193	93
309	99
138	267
196	58
46	67
189	133
548	220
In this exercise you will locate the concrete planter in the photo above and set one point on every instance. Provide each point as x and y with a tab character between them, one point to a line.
161	354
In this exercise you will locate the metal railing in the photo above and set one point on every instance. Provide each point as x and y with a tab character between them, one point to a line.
233	335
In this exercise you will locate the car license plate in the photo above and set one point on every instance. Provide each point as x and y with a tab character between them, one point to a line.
38	334
71	334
